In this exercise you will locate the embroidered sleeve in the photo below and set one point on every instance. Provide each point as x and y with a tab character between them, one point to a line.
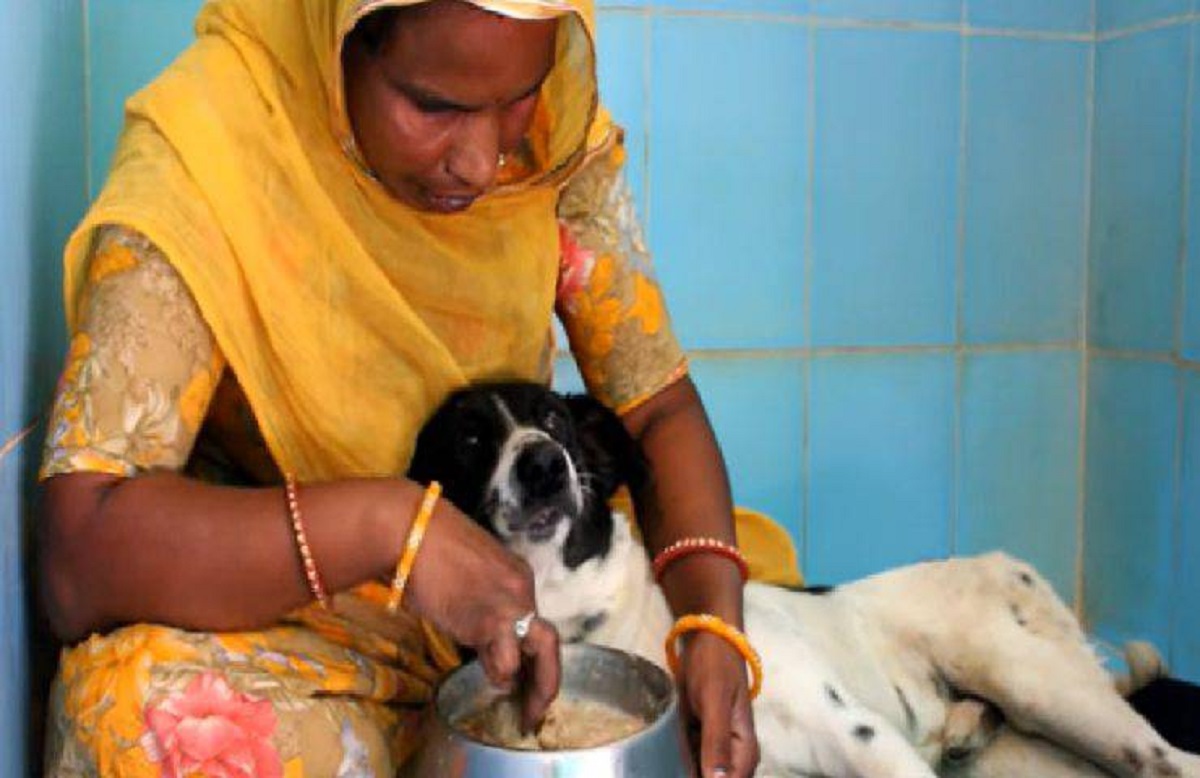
141	370
609	302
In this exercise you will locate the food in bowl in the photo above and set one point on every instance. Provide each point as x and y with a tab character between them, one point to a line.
570	723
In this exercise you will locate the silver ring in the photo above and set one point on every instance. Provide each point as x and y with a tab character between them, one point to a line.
522	625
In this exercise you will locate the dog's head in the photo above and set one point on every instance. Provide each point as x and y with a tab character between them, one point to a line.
531	466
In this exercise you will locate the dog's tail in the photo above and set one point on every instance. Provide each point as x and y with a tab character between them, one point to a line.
1144	665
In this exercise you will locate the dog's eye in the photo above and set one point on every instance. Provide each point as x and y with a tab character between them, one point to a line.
471	440
553	420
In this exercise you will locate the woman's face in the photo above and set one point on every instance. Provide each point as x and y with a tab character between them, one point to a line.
447	90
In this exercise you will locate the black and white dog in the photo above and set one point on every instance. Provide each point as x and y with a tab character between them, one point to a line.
962	667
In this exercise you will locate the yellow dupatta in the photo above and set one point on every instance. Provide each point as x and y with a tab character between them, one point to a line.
345	315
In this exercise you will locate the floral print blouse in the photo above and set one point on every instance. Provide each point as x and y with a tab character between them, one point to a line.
145	385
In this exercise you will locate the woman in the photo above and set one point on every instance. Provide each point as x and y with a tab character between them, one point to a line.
322	218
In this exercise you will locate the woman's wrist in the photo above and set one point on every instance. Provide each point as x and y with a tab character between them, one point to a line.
704	583
389	521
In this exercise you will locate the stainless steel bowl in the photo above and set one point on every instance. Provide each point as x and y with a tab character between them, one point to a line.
624	681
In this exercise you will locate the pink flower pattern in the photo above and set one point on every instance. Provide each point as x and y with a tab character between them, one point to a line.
213	730
575	266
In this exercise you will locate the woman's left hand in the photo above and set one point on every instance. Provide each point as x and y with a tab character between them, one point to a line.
716	698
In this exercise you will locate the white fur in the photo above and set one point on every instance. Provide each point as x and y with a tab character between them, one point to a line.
858	681
898	630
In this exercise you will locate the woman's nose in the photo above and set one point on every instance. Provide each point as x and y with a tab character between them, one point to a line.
475	155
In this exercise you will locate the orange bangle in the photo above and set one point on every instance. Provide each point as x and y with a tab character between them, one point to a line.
416	534
315	584
682	548
706	622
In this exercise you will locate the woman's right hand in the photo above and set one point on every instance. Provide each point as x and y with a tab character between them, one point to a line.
469	585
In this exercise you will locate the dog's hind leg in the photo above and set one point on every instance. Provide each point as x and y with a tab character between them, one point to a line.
1013	754
1025	653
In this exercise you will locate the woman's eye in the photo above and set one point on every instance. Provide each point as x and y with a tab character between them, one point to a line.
434	108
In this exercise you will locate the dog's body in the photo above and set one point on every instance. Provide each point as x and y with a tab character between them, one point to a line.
972	667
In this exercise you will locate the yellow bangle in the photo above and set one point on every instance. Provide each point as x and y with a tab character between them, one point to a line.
416	534
706	622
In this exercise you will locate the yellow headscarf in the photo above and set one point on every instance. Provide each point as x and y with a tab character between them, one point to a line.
345	315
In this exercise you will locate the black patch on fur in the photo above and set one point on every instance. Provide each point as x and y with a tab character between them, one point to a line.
958	754
910	716
940	687
1026	578
610	457
593	622
1132	758
864	732
834	697
461	443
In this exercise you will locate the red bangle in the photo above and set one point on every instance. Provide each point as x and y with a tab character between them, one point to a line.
311	574
686	546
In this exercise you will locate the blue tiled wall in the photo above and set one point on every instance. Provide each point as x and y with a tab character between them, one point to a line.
872	221
1143	465
920	251
42	169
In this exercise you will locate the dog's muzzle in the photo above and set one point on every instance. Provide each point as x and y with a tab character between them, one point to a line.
542	489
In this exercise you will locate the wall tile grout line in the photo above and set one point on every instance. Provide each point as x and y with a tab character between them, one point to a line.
1154	357
647	86
1173	614
830	22
85	8
806	304
1080	594
820	352
1186	237
1173	609
1150	26
960	263
823	352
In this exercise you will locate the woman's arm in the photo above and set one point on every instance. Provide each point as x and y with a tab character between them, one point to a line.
687	495
164	548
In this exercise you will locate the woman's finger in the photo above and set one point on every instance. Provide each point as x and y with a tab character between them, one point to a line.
744	742
544	670
501	660
712	701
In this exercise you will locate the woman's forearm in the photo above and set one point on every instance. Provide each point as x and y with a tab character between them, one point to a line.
687	495
164	548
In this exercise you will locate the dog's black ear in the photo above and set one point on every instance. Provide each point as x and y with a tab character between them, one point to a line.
608	446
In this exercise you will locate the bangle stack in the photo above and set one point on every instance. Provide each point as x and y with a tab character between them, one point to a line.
315	584
706	622
686	546
412	544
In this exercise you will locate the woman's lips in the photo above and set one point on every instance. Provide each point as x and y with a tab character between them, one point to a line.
450	203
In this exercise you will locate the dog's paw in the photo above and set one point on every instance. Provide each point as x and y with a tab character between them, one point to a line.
971	725
1145	664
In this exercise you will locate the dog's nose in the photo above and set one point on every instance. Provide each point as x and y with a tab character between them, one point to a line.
542	469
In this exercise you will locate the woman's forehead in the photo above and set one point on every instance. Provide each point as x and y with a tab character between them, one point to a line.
478	56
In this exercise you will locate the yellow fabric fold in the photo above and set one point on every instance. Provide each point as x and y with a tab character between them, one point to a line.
345	315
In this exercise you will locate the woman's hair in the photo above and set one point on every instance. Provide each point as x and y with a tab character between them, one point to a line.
374	30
